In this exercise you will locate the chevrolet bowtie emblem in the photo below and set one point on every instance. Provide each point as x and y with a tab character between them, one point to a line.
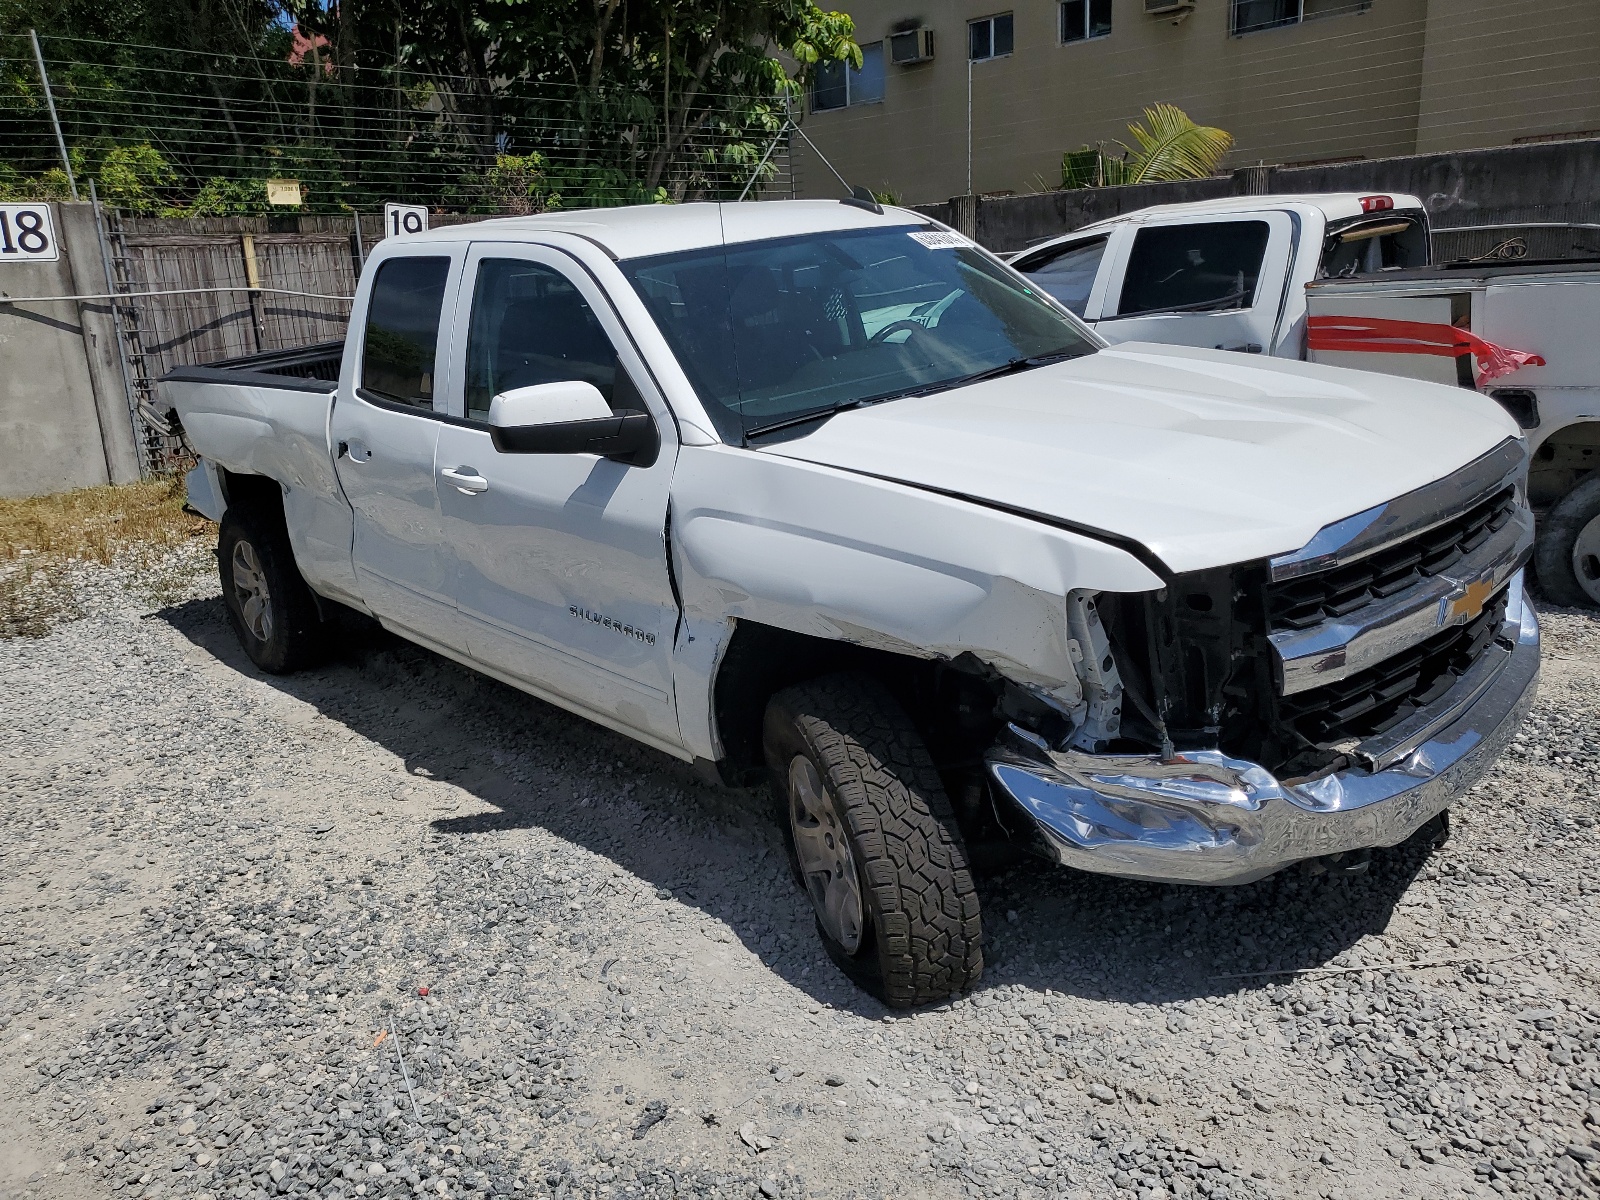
1467	604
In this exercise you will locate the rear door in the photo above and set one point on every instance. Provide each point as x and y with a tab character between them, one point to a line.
558	561
1214	281
385	428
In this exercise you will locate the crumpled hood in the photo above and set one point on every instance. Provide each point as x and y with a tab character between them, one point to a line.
1205	457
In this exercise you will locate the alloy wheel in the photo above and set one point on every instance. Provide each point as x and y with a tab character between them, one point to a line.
250	582
826	864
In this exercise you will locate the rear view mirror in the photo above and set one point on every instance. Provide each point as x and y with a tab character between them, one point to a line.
570	418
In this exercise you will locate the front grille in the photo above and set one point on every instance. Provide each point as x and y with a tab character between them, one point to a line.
1377	699
1301	603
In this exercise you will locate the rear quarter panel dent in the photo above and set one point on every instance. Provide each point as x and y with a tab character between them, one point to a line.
282	435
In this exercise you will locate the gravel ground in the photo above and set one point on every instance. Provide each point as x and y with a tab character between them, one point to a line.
389	928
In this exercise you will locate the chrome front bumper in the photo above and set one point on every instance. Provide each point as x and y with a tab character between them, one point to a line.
1203	817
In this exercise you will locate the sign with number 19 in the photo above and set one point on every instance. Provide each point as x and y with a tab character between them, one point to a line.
402	219
26	233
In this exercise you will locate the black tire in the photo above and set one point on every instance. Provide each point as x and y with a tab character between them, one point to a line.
921	936
1553	553
283	632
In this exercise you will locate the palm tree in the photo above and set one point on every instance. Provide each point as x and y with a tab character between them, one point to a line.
1168	146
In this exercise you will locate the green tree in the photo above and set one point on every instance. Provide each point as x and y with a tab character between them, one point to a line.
1168	145
371	100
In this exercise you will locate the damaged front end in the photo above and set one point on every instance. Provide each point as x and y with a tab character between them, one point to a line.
1331	700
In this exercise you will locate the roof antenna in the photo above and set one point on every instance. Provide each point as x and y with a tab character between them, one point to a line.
788	123
859	197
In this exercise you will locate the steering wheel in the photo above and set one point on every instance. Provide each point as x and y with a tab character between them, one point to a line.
896	326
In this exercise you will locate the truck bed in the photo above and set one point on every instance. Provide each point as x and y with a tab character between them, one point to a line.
1467	274
266	415
303	368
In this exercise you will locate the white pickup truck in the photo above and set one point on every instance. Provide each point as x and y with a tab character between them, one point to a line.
822	493
1346	279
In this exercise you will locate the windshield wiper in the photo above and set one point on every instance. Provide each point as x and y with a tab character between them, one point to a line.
1198	306
1026	363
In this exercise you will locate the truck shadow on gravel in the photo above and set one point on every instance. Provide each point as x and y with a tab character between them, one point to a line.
720	851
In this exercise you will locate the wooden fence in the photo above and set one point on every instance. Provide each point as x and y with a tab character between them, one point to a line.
228	287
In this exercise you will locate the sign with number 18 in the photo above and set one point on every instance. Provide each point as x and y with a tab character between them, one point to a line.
26	233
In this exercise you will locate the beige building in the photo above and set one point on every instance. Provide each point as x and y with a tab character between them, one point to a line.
996	95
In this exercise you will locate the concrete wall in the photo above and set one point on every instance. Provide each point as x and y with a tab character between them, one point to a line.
1553	181
64	416
1396	77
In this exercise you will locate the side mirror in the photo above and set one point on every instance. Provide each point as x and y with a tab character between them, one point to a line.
571	417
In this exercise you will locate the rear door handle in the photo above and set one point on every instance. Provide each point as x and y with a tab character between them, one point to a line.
356	452
467	482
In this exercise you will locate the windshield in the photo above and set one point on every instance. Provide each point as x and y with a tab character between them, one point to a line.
770	332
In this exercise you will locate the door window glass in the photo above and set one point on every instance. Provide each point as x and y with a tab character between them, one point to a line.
1068	274
1207	267
402	331
529	326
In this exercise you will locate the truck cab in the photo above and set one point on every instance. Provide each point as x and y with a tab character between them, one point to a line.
1224	274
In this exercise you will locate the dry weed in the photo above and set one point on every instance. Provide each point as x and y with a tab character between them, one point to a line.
43	538
97	524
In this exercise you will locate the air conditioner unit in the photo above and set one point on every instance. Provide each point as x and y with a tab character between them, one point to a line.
912	46
1156	8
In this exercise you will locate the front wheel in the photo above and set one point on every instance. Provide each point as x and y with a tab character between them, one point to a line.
874	841
1567	554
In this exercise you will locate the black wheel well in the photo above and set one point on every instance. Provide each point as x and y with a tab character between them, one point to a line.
1562	461
951	703
255	494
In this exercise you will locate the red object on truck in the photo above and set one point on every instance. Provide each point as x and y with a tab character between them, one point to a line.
1377	335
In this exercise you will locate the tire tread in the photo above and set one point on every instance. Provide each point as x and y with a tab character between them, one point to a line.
910	853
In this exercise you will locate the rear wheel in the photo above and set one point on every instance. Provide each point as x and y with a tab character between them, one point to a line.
874	840
269	605
1567	554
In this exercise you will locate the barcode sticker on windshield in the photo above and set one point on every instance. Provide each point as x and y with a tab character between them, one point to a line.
940	239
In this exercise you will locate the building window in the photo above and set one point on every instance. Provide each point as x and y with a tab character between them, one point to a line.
1247	16
839	85
989	38
1084	19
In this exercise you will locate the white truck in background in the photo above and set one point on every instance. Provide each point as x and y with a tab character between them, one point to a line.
821	493
1347	279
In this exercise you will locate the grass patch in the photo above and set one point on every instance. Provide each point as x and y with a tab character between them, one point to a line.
96	524
44	538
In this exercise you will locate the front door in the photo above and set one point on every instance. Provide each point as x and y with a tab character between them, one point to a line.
560	560
385	429
1211	281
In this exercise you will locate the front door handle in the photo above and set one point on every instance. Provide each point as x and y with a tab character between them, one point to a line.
467	481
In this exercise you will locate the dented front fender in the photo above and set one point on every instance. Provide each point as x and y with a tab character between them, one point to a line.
848	557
